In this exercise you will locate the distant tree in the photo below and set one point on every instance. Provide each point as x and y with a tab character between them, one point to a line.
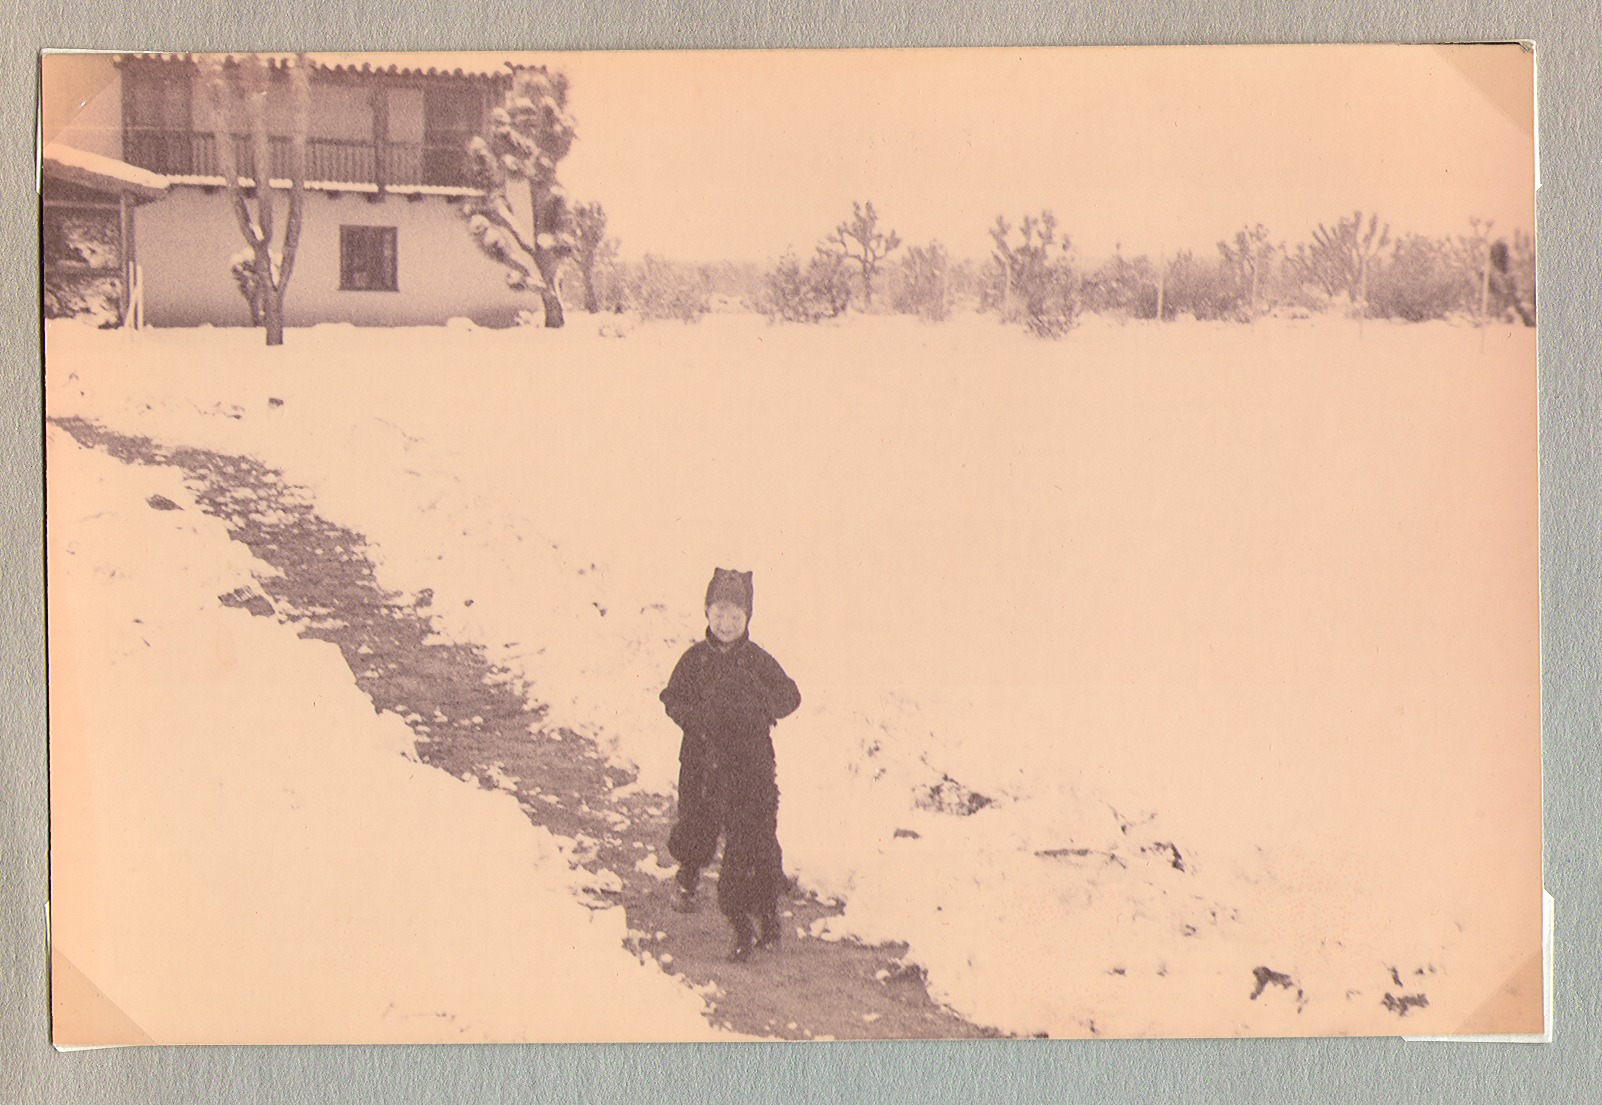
1517	269
860	241
592	249
236	98
1248	258
531	234
1474	258
1340	257
1503	276
1033	281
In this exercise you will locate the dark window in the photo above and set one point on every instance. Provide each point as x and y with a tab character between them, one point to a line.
157	120
367	259
451	117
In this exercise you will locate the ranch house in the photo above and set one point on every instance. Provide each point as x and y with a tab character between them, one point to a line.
383	241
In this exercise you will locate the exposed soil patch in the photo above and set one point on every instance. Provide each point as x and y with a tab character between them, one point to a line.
472	719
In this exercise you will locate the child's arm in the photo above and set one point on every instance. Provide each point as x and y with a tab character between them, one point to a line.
782	695
681	697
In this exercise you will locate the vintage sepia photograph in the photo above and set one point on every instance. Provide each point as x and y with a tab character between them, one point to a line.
792	544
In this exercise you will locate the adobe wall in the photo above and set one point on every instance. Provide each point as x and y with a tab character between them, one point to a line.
187	239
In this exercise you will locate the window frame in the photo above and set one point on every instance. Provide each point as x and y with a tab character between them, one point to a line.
377	249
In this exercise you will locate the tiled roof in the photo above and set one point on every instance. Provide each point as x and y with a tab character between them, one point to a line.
474	65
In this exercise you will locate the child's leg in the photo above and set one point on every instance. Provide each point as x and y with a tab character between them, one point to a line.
751	876
744	938
694	839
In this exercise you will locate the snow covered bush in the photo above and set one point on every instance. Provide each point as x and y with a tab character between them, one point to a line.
659	289
924	287
1051	301
1123	286
1422	280
242	266
1207	290
819	291
78	251
89	295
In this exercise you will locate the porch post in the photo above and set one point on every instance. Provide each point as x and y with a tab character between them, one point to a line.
125	253
379	98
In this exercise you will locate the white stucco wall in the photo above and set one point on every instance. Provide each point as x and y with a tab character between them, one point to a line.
187	239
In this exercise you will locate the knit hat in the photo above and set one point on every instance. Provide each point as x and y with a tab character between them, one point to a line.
732	587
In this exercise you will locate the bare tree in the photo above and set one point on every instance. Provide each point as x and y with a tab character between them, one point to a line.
1002	255
236	98
1499	283
522	218
591	249
859	240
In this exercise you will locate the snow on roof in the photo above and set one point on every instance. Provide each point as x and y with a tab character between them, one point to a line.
96	171
477	64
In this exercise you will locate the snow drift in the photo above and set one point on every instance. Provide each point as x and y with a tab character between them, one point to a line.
1138	668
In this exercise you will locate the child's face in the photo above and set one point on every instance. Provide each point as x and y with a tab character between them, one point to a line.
726	620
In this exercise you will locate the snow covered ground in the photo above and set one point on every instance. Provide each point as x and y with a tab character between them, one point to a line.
1235	629
243	851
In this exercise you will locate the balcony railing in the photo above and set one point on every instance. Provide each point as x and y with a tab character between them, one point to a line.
194	153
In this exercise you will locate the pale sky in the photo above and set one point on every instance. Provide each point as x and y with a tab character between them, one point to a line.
740	154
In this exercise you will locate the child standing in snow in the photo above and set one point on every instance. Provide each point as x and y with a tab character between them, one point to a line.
726	693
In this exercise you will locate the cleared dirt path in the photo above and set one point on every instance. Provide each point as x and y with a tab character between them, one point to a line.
472	720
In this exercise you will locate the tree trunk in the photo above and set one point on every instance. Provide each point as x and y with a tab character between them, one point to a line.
1485	284
273	315
553	308
549	266
592	301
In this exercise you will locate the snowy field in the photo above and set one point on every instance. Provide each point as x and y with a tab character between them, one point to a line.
1253	608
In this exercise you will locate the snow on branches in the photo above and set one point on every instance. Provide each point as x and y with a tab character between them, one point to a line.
523	220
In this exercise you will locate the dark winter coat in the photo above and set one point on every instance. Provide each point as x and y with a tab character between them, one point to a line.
730	697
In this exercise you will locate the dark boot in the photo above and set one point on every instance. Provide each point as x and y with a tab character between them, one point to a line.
744	937
769	936
686	881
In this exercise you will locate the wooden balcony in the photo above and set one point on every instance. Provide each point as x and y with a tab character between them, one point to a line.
337	161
